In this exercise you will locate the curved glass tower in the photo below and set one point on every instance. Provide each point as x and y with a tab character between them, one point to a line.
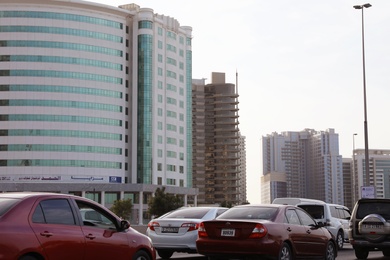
62	87
93	94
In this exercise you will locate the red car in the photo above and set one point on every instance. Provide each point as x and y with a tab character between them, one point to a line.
275	231
38	226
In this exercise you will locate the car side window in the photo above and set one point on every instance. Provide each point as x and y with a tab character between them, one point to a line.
96	217
347	214
220	211
54	211
292	217
334	212
306	220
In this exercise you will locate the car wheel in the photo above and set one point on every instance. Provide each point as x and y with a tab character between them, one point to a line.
330	253
141	255
285	252
165	254
340	240
361	253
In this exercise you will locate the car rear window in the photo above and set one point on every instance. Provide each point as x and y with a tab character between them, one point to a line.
316	211
379	208
6	204
188	213
249	213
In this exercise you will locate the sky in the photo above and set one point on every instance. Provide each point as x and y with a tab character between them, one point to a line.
299	64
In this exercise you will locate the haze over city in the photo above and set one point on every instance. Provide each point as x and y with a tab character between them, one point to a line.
299	66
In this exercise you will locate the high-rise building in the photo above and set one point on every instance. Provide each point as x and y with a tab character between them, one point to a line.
379	166
216	141
242	179
347	180
95	100
303	164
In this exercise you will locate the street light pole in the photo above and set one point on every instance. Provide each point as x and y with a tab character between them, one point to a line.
354	179
366	159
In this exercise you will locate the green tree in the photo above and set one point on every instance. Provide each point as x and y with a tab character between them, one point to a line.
122	208
163	202
226	204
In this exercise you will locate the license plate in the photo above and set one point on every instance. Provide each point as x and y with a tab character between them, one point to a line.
169	230
228	232
373	226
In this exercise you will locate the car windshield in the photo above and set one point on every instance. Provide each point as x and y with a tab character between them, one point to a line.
379	208
266	213
316	211
197	213
6	204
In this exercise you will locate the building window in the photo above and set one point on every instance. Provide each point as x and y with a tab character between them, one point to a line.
159	167
145	24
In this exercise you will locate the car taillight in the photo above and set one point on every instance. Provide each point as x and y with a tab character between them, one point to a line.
259	231
202	231
153	224
191	226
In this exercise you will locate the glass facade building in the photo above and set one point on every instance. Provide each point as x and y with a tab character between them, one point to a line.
93	94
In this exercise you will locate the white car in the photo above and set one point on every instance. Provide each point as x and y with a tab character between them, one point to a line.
177	231
325	213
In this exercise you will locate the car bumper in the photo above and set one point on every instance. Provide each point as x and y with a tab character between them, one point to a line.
364	243
237	248
185	242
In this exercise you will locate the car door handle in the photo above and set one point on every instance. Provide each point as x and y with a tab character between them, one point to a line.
289	229
46	234
90	236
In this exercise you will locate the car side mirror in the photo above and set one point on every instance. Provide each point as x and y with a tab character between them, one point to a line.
125	224
320	224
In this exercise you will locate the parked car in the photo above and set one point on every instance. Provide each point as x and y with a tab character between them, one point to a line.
343	214
176	231
276	231
36	226
369	228
321	212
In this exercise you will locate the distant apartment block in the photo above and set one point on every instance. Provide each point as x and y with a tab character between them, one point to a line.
347	180
302	164
242	180
216	141
379	166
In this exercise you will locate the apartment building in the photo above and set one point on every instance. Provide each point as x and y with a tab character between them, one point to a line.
303	164
379	166
216	141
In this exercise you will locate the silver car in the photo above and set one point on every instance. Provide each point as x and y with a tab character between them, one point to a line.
177	231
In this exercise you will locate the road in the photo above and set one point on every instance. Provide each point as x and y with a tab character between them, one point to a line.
345	254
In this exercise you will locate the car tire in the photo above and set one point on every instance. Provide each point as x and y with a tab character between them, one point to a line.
141	255
340	240
285	252
330	253
165	254
361	253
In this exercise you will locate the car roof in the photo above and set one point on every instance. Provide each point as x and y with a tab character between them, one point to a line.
373	199
263	205
296	201
20	195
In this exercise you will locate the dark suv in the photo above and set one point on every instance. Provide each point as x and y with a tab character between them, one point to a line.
369	227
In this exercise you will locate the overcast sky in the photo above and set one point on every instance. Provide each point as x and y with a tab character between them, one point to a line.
299	65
